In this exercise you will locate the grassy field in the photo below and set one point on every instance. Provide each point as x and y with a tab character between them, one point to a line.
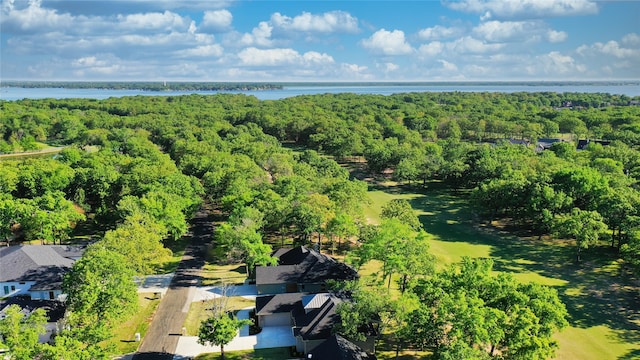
604	305
124	334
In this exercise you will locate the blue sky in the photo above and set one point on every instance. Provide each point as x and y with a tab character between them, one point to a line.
296	40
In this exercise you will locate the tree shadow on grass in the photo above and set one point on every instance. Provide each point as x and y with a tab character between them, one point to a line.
593	293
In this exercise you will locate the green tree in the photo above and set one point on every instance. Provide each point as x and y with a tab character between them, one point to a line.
52	218
19	332
467	310
402	210
220	329
100	292
586	227
139	241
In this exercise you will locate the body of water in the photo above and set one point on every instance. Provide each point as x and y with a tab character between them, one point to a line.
629	89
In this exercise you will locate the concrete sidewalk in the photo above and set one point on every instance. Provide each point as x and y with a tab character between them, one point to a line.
154	283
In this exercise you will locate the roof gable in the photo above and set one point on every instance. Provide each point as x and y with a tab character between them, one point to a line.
317	323
304	266
338	348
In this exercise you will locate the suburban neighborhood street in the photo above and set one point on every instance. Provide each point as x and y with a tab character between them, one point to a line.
161	339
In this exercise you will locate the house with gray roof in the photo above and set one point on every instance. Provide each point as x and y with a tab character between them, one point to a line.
338	348
301	270
36	270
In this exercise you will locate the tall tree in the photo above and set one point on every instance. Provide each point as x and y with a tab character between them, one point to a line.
586	227
402	210
100	292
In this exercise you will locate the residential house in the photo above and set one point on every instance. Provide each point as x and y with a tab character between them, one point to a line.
582	144
338	348
301	270
546	143
36	270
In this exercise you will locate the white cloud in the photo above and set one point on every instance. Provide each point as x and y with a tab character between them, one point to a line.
213	50
32	17
387	43
556	36
388	67
524	9
469	44
278	57
431	49
631	39
440	32
218	20
518	31
555	63
448	66
316	57
167	21
624	53
260	36
88	61
329	22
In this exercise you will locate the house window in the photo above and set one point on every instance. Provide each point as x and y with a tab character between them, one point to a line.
51	295
13	288
6	289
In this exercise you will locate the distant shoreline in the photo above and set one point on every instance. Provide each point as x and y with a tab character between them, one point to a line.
142	85
256	86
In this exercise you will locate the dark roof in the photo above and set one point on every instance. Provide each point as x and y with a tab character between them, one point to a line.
304	266
55	309
44	264
338	348
582	144
316	323
280	303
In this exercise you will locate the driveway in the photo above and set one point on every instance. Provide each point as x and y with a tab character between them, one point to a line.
269	337
212	292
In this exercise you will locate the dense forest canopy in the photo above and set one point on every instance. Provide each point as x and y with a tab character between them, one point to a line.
138	167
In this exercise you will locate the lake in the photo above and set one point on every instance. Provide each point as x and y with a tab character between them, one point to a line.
629	89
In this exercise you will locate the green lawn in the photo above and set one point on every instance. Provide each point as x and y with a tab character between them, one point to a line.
201	310
258	354
603	304
124	333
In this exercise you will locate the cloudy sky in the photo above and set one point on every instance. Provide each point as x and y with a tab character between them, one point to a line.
296	40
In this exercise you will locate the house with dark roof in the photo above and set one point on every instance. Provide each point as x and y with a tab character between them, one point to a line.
301	270
582	144
338	348
546	143
36	270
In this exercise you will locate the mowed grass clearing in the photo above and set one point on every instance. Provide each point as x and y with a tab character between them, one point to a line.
603	303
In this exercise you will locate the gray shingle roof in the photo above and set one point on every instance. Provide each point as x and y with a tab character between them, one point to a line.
44	264
275	304
303	266
338	348
317	323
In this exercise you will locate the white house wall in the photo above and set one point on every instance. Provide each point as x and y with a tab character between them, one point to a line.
12	288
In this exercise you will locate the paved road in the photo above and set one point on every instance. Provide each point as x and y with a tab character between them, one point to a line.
161	339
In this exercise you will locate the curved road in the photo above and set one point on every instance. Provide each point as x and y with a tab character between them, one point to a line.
161	339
